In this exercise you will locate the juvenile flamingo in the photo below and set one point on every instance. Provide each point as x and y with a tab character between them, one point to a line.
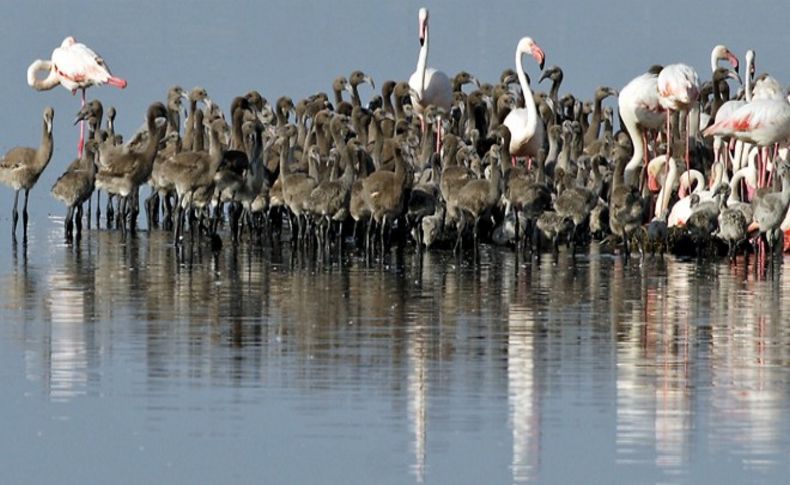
74	66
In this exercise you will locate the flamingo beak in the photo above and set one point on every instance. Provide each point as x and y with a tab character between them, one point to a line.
733	60
539	56
369	80
475	81
422	29
613	92
117	82
735	75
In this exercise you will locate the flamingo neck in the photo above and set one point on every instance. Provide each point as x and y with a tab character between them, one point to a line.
633	166
42	84
422	62
529	101
698	179
667	188
44	152
735	181
748	87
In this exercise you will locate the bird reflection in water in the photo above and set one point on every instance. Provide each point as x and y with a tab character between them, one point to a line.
693	351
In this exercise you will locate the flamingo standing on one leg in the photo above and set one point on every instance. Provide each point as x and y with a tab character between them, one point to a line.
525	125
74	66
678	90
429	86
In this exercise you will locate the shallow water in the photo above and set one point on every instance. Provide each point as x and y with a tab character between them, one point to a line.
129	362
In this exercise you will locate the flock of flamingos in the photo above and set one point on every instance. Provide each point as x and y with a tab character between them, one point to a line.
698	167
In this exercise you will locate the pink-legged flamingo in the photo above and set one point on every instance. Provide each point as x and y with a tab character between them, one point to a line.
429	86
726	109
763	122
678	90
525	125
74	66
640	111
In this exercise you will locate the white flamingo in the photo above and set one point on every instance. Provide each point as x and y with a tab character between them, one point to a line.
526	127
74	66
762	122
678	90
730	106
639	111
430	85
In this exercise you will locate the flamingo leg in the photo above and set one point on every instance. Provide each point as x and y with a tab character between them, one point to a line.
669	136
82	127
439	134
688	156
762	162
775	156
643	177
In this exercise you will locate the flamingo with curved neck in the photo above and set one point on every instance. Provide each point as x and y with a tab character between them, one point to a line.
526	128
721	52
74	66
640	111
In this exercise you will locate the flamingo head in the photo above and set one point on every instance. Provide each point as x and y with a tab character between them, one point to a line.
722	52
49	113
750	62
528	46
422	17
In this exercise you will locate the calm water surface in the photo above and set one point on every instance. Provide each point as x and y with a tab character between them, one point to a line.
128	362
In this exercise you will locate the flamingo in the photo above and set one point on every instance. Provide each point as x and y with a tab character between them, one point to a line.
762	122
640	110
526	127
74	66
721	52
678	90
730	106
429	86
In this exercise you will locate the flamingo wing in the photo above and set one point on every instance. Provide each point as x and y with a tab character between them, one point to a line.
678	84
762	121
639	98
79	66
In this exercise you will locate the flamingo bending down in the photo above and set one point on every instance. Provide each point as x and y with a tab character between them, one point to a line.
640	110
678	90
525	125
74	66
